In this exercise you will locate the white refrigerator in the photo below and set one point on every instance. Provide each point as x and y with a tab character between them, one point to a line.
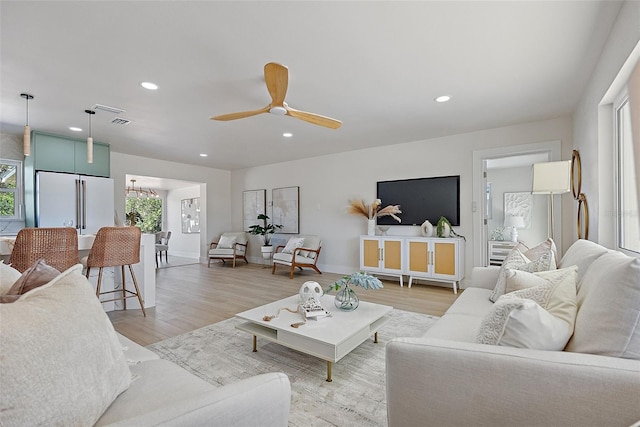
83	202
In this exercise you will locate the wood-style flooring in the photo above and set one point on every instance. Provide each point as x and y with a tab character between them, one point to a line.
192	296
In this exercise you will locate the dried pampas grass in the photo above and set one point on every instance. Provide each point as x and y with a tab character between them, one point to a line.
359	207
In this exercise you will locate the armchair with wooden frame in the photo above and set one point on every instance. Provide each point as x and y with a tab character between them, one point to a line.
230	246
301	252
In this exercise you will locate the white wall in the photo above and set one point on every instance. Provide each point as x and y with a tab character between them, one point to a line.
214	192
593	126
328	182
184	245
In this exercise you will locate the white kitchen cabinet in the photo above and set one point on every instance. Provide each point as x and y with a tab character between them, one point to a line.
436	259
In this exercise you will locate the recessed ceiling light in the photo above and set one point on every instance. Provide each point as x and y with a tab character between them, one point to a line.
287	134
75	129
203	155
149	85
443	98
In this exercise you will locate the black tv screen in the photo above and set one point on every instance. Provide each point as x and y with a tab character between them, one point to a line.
421	199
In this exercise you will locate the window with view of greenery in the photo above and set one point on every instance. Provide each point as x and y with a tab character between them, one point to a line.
10	189
149	211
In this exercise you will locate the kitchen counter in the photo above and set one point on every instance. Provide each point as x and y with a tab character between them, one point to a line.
144	270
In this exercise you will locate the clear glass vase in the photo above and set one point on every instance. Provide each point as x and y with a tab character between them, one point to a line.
346	299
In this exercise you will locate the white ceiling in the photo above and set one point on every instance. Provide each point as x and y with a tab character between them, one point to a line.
377	66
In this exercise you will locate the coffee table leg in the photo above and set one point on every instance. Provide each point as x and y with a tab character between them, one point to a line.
255	341
375	338
329	372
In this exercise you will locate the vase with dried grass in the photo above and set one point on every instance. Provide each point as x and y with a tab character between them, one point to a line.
373	211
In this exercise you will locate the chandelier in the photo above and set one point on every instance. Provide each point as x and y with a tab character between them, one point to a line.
140	192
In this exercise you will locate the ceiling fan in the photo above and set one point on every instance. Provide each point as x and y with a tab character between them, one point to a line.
276	77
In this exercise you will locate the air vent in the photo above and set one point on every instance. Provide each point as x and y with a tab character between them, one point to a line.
120	121
114	110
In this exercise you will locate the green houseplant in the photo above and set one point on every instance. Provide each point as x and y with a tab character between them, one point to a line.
265	229
346	299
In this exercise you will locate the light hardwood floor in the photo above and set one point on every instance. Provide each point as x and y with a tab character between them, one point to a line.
192	296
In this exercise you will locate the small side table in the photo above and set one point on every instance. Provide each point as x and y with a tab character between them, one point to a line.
498	251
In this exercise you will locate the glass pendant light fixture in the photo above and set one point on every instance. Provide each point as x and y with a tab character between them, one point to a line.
26	139
90	138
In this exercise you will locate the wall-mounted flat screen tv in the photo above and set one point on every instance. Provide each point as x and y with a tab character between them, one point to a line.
421	199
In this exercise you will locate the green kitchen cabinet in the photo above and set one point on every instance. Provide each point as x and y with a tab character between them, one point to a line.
60	154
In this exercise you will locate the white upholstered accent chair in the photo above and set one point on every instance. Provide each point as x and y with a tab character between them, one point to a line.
301	254
230	246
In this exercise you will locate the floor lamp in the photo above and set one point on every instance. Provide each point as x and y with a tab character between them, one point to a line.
552	178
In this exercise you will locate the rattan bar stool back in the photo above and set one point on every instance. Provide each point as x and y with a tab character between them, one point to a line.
57	245
116	247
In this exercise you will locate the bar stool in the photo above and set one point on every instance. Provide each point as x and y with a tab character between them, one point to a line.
113	247
57	245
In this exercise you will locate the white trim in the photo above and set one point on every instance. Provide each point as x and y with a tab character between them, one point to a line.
480	238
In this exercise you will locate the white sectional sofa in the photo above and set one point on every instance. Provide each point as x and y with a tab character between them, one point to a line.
62	364
447	379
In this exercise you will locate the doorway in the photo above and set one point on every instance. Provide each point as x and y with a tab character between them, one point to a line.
508	171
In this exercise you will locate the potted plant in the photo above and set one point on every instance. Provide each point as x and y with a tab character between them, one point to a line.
133	217
265	230
346	299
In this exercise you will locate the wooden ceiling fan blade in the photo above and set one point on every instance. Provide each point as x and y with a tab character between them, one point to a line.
316	119
241	114
276	76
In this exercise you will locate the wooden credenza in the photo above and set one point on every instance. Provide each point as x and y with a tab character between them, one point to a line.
428	258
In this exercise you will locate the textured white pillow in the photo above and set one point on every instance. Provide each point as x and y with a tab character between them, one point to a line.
293	244
62	363
554	290
520	322
227	242
516	260
608	320
8	276
541	249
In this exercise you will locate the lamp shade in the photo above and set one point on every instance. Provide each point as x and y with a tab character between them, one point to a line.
514	221
552	177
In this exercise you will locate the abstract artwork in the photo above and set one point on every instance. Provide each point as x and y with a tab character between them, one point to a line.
285	209
253	204
519	204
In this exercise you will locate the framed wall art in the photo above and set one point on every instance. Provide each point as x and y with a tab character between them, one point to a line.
190	215
285	210
253	204
519	204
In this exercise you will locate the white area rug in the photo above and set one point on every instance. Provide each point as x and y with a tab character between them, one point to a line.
221	354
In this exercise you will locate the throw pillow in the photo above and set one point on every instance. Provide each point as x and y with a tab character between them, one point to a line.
62	362
518	261
293	244
541	249
8	276
554	290
523	323
608	320
35	276
227	242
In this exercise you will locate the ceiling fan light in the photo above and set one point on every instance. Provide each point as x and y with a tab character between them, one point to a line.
278	111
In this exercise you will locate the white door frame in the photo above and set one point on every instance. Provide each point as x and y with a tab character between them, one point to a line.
552	148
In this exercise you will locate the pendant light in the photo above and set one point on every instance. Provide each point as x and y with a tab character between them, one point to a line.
90	138
26	139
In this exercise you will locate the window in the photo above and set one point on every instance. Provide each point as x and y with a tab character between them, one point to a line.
149	210
10	189
628	217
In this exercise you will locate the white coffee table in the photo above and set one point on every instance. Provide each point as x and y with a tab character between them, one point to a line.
329	339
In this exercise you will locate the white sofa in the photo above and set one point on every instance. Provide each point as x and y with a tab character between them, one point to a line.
447	379
62	364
